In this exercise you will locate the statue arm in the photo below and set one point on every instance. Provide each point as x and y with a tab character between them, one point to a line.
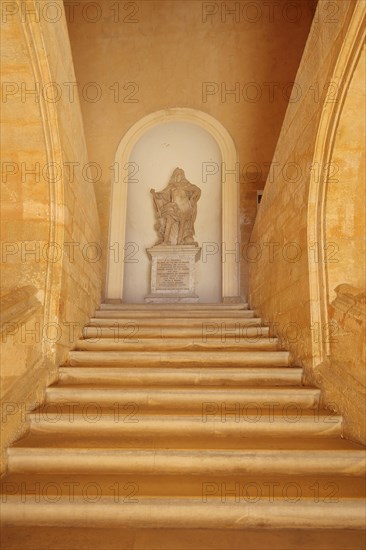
195	196
163	195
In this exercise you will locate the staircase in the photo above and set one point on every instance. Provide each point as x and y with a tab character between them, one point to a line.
183	419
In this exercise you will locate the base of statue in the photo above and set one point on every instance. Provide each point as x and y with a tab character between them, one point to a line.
173	273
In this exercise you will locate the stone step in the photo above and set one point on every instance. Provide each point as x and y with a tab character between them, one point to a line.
179	327
230	488
180	358
176	344
91	508
175	307
71	538
147	455
193	400
127	419
155	376
188	313
203	332
171	417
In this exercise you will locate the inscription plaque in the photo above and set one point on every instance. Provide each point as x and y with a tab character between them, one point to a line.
172	273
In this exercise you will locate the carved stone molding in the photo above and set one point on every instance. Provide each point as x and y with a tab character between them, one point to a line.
39	61
331	113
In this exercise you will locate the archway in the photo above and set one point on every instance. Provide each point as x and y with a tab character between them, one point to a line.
319	186
230	199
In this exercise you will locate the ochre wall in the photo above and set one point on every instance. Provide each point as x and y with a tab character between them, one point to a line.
345	205
343	376
41	214
162	54
279	279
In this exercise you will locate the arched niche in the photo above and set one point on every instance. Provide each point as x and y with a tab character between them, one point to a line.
153	159
230	199
323	189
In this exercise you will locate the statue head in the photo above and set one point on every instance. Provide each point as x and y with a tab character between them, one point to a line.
178	176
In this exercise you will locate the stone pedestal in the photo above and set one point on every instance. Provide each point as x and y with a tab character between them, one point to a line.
173	273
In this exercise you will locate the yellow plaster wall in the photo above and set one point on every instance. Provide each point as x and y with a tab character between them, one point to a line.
162	54
82	252
344	375
57	293
279	279
345	208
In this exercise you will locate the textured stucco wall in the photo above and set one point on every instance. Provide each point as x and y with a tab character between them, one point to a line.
279	279
45	214
153	55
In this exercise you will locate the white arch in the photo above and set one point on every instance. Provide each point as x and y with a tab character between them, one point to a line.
331	113
230	197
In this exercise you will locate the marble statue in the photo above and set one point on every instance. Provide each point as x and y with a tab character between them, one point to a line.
176	210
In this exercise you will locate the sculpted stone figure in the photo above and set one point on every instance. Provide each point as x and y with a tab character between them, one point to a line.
176	210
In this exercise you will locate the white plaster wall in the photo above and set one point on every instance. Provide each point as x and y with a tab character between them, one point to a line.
153	160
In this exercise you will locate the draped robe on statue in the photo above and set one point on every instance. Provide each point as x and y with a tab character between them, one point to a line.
176	209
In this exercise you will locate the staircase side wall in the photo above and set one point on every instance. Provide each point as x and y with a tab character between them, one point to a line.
50	227
289	281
